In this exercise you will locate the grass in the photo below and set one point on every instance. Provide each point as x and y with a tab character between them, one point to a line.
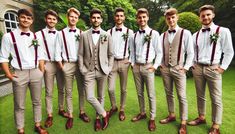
127	127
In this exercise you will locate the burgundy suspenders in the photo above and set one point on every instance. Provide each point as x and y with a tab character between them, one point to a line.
65	45
46	46
147	54
36	52
180	45
163	46
111	31
125	44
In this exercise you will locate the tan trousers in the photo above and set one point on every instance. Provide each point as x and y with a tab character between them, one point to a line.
51	71
208	74
170	76
90	80
70	70
119	68
32	79
143	76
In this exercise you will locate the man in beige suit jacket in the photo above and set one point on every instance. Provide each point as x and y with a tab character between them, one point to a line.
95	63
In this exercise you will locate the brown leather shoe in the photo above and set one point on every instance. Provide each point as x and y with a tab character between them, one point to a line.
139	117
214	131
168	119
105	121
84	117
182	129
69	123
122	116
112	111
40	130
196	122
63	113
48	122
20	132
97	125
151	125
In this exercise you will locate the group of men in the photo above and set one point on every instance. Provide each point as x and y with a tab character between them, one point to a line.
96	56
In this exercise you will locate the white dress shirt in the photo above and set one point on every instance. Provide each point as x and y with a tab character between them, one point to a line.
155	48
72	45
187	45
51	42
119	42
95	36
25	49
223	45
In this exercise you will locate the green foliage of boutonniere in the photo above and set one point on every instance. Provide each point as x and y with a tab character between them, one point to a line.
103	38
147	38
77	37
214	37
34	43
125	36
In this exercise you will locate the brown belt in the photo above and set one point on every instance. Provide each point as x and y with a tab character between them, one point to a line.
206	65
142	64
120	59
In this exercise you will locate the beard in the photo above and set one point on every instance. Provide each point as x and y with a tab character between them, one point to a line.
95	25
206	23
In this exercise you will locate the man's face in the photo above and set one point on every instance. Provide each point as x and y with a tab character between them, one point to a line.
206	17
72	19
25	21
96	20
51	21
119	18
142	19
171	20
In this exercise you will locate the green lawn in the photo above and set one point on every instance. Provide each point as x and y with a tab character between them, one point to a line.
127	127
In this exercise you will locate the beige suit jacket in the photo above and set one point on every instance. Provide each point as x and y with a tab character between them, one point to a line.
85	52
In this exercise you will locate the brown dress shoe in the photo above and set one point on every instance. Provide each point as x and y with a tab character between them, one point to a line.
40	130
112	111
182	129
69	123
139	117
105	121
84	117
122	116
168	119
63	113
214	131
48	122
20	132
97	125
196	122
152	125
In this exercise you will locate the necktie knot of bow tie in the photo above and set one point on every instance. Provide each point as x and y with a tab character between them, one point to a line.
95	32
206	29
119	29
171	31
142	31
72	30
24	33
51	32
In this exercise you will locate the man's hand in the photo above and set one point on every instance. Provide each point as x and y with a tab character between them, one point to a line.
151	69
182	70
10	76
220	70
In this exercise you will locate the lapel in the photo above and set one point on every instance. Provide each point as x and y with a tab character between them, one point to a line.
90	41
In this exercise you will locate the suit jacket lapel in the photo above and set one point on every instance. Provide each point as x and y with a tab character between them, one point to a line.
90	41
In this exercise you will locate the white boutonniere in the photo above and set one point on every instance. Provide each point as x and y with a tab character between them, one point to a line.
77	37
147	38
34	43
125	36
103	38
214	37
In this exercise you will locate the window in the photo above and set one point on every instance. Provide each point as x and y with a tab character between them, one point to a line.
11	21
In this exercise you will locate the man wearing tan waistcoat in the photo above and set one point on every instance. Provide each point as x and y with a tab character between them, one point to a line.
47	37
67	56
95	63
209	44
28	65
121	37
176	42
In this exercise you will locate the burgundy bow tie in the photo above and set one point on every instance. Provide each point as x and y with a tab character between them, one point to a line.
97	32
72	30
23	33
206	29
119	29
142	31
171	31
51	32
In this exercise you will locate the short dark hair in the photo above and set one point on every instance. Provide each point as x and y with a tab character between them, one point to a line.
206	7
25	12
142	10
51	12
94	11
119	9
170	11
